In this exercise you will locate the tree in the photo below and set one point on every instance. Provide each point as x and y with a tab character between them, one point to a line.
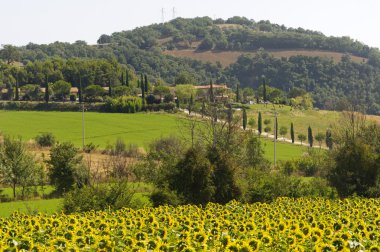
244	119
320	137
267	129
283	131
237	93
146	83
259	124
292	132
212	99
191	104
61	89
276	128
47	90
252	122
127	78
356	168
17	166
193	177
10	54
66	168
301	137
17	96
264	91
356	157
310	136
328	139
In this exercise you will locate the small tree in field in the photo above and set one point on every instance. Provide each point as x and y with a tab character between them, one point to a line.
301	138
244	119
329	140
259	124
283	131
320	137
66	168
310	137
267	129
292	132
17	166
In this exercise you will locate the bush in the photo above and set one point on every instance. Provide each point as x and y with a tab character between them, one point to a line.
45	139
165	197
101	197
266	187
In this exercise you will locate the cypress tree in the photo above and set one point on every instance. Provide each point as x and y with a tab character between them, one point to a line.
177	102
142	90
191	102
244	119
211	92
264	91
329	141
260	124
276	128
122	78
146	84
17	94
47	90
237	93
310	136
292	132
109	89
203	109
126	78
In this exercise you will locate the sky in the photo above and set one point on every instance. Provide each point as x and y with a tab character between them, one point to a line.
47	21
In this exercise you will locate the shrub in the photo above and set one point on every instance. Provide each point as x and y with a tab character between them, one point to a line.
100	197
165	197
46	139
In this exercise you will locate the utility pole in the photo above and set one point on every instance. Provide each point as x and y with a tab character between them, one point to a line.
275	140
81	93
173	13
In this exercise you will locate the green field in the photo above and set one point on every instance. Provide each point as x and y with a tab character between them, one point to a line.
48	206
318	120
102	128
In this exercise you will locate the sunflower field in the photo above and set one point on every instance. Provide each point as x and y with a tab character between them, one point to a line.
284	225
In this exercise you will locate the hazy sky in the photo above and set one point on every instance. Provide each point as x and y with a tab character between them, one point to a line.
45	21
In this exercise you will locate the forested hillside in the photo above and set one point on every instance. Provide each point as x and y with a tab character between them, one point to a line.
332	84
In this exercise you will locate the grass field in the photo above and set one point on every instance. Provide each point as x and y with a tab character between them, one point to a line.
318	120
102	129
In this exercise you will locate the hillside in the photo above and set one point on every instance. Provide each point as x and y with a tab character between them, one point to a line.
335	70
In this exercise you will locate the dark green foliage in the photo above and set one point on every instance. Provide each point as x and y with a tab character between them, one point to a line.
17	96
310	137
192	178
211	94
264	91
328	139
146	83
165	197
356	168
292	132
47	91
127	78
237	93
244	119
223	176
259	124
66	168
109	90
276	128
45	139
110	196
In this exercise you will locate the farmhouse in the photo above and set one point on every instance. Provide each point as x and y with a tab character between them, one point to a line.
221	92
